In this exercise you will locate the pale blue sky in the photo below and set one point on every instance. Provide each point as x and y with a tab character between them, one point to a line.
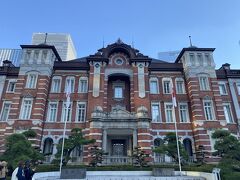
155	25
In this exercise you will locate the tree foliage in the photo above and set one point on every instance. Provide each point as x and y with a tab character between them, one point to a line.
226	145
76	139
139	157
18	147
169	147
96	154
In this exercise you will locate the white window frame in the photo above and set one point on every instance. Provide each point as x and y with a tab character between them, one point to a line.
118	97
60	83
204	87
28	83
77	112
22	113
153	91
159	120
48	115
3	105
187	112
80	83
9	82
166	115
66	84
183	86
208	100
63	118
170	85
230	111
224	86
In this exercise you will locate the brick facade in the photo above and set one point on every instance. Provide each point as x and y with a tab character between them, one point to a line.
118	101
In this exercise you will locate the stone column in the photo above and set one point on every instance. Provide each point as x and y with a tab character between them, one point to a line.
135	138
104	141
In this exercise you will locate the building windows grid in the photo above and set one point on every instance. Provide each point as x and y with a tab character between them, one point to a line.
70	82
154	86
208	109
228	112
31	81
26	108
52	111
222	89
81	112
118	92
5	111
83	85
11	86
204	83
56	85
169	112
180	87
156	115
183	112
66	112
166	86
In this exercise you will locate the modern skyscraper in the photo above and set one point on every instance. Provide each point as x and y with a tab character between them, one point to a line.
13	55
169	56
62	42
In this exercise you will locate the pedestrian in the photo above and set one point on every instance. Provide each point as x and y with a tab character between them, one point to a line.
28	171
3	170
18	173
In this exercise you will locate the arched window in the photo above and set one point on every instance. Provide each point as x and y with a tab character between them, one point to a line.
48	146
188	146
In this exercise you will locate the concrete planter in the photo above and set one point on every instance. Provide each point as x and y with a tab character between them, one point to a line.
157	172
73	173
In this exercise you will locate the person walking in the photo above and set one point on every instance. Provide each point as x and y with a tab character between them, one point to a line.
3	170
18	173
28	171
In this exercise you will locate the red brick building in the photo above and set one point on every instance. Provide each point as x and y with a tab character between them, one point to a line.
119	97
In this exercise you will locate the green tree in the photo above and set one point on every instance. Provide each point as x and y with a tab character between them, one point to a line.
18	147
169	147
96	154
139	157
76	139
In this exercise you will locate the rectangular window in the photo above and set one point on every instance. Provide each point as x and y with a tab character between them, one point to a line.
26	108
56	85
169	112
180	87
183	112
200	59
222	89
166	86
118	92
83	86
208	59
156	112
70	82
228	112
81	112
208	110
192	60
66	113
52	111
31	81
204	85
5	110
11	86
153	87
